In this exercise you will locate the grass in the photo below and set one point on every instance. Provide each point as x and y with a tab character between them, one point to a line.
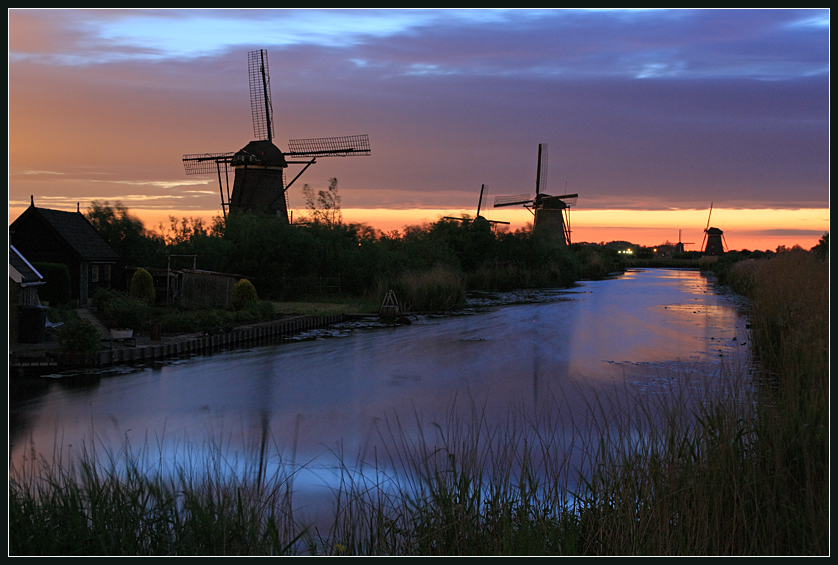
742	472
359	306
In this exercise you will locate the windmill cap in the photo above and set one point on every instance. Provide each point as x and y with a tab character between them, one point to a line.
261	152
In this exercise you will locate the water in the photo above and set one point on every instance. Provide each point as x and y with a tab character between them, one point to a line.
647	332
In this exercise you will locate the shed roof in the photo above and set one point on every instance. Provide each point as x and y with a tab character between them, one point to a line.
77	231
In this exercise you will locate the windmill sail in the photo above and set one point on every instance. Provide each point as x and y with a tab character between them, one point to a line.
260	95
329	146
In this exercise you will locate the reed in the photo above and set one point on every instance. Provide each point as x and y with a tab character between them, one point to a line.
438	289
135	503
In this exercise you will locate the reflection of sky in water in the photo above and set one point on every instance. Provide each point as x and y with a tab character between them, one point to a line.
655	330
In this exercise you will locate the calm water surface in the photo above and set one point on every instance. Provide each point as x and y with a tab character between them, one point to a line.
647	331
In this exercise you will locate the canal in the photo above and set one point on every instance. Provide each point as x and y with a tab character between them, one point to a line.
329	401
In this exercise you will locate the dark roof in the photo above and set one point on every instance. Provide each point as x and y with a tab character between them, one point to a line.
77	231
260	152
27	272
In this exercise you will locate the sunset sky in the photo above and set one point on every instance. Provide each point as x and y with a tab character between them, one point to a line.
650	116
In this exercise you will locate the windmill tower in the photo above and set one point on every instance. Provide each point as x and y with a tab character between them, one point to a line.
713	243
259	167
551	214
478	219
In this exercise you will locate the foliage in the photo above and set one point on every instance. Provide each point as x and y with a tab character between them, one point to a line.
821	250
56	291
126	234
117	309
323	209
244	294
142	286
78	336
437	290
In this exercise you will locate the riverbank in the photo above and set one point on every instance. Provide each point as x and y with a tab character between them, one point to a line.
295	320
143	348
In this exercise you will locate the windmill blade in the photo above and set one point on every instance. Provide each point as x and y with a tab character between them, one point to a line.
260	94
541	170
205	163
512	200
329	146
708	217
480	200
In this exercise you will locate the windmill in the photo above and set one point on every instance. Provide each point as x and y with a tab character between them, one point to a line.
713	242
478	219
679	247
551	213
259	168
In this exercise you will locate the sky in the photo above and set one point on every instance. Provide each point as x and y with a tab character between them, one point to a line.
650	116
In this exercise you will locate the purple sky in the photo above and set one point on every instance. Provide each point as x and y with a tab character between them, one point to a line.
641	110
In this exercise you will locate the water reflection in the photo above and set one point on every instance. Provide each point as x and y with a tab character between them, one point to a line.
648	331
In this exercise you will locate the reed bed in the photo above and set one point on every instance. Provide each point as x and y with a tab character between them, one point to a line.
741	471
439	289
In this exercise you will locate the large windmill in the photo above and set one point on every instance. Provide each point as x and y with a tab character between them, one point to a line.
551	213
478	219
714	242
259	168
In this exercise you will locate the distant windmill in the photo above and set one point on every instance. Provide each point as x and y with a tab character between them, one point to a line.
679	247
259	181
477	218
713	243
551	213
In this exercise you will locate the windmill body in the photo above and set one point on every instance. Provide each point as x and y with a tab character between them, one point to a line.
551	214
714	244
259	184
259	179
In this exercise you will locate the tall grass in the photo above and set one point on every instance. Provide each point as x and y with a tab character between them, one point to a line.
739	471
438	289
135	503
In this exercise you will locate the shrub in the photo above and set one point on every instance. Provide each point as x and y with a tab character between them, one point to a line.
118	310
79	336
142	286
244	294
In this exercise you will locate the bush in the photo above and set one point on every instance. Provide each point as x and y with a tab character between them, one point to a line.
118	310
79	336
142	286
244	294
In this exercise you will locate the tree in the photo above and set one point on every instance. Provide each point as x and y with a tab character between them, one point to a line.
325	207
126	233
821	250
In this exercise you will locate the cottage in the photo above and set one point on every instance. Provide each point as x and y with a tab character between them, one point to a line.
55	236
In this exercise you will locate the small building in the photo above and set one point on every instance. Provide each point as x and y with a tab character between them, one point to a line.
56	236
24	306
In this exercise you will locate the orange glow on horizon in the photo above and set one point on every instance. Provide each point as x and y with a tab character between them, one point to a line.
744	229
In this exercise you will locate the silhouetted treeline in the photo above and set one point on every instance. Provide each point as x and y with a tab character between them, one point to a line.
289	261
